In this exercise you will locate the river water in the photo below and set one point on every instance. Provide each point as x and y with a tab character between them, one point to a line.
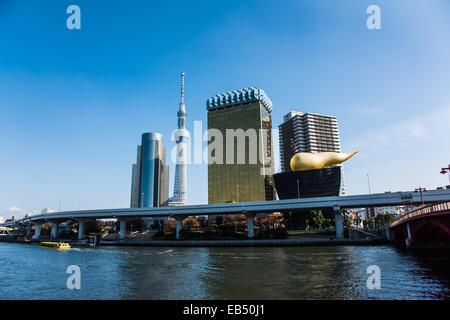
334	272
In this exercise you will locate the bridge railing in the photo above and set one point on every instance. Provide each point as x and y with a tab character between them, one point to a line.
434	208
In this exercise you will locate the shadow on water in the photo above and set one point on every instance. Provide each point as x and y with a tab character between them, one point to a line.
338	272
432	264
163	273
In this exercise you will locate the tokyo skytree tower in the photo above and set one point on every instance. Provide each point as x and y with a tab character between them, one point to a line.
181	136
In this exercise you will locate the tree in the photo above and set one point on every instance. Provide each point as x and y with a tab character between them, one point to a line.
379	220
389	218
357	219
347	222
316	219
365	224
190	222
328	223
371	223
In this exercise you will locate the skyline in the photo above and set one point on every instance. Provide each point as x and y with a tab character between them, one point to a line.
75	103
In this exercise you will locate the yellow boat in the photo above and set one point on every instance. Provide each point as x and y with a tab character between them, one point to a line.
55	245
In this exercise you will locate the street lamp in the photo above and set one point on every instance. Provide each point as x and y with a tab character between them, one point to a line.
446	170
421	195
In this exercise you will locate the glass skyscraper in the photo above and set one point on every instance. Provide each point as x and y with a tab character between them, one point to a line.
249	110
149	186
150	162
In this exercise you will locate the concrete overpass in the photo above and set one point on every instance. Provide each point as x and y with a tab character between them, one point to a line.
248	208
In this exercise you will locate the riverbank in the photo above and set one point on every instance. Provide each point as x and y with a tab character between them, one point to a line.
305	241
244	243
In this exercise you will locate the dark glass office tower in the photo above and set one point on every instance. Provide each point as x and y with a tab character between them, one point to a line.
240	181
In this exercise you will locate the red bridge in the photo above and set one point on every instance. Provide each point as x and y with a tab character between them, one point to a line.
427	226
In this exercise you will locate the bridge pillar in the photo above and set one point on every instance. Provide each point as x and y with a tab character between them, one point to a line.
250	225
81	225
409	239
179	226
123	228
339	224
29	230
37	231
55	227
387	232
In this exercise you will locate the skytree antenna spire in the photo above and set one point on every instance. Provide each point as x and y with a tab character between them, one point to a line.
182	89
181	137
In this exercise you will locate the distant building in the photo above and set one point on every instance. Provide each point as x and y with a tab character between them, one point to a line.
310	133
370	213
47	210
136	180
397	211
164	184
2	220
175	204
12	219
392	210
150	174
247	110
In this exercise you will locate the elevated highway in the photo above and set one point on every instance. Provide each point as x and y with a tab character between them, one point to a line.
248	208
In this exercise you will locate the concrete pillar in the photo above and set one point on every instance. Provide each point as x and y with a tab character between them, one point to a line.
339	223
55	227
387	231
123	229
81	229
29	230
352	234
409	239
250	226
37	231
179	226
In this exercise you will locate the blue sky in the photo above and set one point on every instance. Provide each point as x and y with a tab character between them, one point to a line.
74	103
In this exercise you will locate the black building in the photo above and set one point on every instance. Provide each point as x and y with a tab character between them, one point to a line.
309	183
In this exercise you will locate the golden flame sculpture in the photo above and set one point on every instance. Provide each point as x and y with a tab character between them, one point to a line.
311	161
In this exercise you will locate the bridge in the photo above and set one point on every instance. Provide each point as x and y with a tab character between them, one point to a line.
250	209
426	225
